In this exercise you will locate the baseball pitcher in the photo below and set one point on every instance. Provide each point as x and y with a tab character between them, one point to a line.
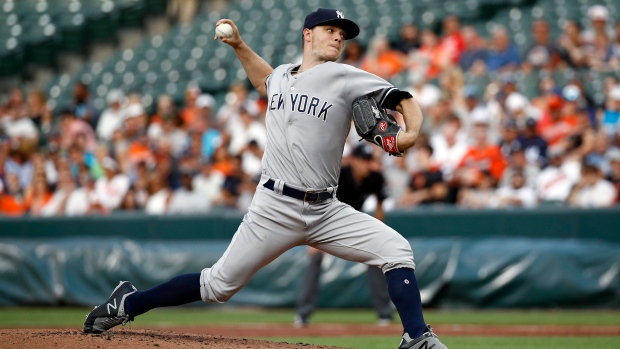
309	113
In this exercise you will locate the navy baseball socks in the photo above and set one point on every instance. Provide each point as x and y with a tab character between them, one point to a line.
126	302
179	290
405	294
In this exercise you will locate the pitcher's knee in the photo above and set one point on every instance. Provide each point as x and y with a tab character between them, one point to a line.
399	255
214	290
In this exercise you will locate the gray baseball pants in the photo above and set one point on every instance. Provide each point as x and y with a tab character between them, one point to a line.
276	223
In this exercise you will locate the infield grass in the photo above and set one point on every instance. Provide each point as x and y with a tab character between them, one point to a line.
12	317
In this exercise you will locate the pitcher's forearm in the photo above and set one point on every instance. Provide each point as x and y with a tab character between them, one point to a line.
412	115
256	68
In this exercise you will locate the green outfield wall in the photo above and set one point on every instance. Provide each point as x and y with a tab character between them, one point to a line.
551	222
546	258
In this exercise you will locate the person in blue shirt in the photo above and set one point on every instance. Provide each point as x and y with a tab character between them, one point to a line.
503	55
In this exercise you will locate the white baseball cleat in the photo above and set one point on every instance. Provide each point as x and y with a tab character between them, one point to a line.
427	340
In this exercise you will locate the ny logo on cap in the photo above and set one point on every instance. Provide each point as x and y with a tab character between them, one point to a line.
339	14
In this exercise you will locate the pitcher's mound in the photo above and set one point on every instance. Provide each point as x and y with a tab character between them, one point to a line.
136	339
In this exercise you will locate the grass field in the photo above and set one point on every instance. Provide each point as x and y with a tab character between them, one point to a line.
208	315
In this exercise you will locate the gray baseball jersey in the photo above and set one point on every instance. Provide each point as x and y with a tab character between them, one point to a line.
308	119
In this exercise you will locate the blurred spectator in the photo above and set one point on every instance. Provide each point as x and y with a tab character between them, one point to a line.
112	118
597	156
572	43
409	40
613	155
236	99
592	190
39	112
426	185
475	54
615	46
558	122
211	138
13	200
436	115
84	200
209	183
159	195
190	112
18	162
576	96
16	105
427	95
543	53
169	131
535	147
252	156
519	164
482	156
452	42
111	189
430	59
449	146
165	109
248	129
57	203
503	54
611	114
599	25
601	56
187	200
515	193
231	189
130	201
71	127
509	137
471	109
452	82
479	194
381	59
555	181
397	179
38	195
353	53
17	124
83	107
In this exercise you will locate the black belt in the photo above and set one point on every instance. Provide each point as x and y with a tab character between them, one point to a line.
307	196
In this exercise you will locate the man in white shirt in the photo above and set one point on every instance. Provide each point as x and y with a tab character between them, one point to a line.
449	146
111	188
592	190
83	200
112	118
186	200
209	183
554	183
517	194
247	129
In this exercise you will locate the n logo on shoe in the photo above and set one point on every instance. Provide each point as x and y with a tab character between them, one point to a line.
425	346
110	305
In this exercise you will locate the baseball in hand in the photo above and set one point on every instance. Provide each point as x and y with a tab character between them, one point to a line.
223	30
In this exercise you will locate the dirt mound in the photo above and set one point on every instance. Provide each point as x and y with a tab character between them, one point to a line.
135	339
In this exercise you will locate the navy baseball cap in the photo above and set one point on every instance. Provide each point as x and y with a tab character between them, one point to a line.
363	151
326	16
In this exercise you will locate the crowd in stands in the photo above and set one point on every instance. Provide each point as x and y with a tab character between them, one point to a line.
489	147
